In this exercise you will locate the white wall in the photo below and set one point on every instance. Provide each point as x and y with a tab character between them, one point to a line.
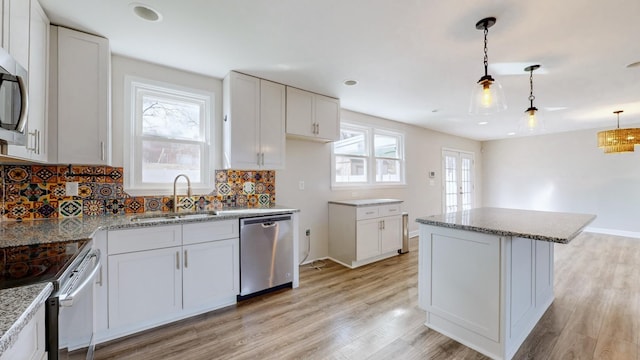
121	66
311	162
564	172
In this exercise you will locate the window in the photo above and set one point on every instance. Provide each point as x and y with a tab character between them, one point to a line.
168	133
367	156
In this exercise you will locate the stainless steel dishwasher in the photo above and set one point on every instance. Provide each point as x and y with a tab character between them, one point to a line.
266	254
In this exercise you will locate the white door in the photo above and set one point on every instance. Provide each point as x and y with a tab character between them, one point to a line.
458	176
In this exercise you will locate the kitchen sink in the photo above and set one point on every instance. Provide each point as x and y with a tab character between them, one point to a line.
172	216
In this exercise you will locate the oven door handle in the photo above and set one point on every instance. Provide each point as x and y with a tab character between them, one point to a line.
66	299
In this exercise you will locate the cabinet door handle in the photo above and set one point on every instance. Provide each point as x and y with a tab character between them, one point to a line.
258	159
383	225
29	148
185	260
317	128
102	150
262	159
177	260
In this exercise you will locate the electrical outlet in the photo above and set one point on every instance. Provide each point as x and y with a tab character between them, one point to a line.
301	185
307	232
71	188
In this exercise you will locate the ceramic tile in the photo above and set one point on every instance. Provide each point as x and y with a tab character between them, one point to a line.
264	199
93	207
134	205
152	204
70	208
85	190
114	207
241	200
44	174
33	192
114	175
221	176
45	210
58	191
17	174
11	192
18	210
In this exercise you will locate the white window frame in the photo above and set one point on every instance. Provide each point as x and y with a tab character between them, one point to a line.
135	86
370	158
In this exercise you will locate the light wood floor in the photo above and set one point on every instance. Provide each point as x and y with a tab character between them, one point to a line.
371	313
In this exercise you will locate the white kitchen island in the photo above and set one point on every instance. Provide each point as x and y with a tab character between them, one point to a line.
485	275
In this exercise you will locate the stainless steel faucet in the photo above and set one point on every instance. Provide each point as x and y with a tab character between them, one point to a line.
175	195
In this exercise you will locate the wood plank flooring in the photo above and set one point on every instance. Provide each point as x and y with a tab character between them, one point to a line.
371	313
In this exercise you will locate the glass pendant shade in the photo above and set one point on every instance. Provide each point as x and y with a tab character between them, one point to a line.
487	98
530	123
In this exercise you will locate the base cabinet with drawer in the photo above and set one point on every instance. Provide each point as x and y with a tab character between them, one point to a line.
160	274
364	231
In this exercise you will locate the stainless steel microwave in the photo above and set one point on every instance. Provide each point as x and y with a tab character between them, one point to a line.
13	100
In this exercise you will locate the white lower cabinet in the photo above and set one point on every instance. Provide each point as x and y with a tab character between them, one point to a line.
359	235
144	286
30	344
160	274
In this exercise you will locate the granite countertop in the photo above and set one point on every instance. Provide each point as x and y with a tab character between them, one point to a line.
56	230
17	307
537	225
366	202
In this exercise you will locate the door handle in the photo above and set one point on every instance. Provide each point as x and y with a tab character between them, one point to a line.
177	260
185	260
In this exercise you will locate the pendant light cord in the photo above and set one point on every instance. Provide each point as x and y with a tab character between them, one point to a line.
486	57
531	97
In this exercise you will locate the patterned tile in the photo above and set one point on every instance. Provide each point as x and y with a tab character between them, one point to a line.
18	210
134	205
104	191
58	191
114	175
185	204
241	200
63	174
45	209
221	176
85	190
93	207
11	192
114	207
44	174
249	188
224	189
34	192
264	199
261	188
202	203
252	200
152	204
167	203
17	174
70	208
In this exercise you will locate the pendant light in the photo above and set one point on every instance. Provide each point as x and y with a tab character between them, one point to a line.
618	140
488	97
531	123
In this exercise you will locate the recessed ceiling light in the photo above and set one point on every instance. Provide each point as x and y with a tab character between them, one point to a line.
511	133
634	65
145	12
483	123
351	82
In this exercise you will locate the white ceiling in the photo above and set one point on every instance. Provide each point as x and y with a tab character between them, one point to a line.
416	61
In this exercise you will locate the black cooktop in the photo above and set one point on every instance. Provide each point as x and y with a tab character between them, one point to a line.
30	264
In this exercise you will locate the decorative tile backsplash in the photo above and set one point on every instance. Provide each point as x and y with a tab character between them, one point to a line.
31	192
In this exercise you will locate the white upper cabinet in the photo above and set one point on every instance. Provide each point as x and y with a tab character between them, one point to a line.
26	36
254	123
80	110
312	116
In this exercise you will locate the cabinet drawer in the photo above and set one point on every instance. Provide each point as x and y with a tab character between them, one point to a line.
146	238
390	210
368	212
207	231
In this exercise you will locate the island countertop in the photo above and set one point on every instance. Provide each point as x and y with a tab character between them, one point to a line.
537	225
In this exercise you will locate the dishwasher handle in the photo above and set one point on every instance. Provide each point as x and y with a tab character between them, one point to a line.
265	220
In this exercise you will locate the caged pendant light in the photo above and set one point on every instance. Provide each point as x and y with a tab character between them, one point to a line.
488	97
618	140
531	123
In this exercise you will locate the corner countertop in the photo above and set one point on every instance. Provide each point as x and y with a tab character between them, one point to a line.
366	202
17	307
537	225
19	304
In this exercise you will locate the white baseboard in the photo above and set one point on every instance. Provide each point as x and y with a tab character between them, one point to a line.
310	261
630	234
413	234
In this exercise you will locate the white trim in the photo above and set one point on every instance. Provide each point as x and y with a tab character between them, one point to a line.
414	233
133	85
629	234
